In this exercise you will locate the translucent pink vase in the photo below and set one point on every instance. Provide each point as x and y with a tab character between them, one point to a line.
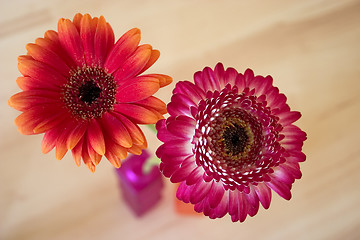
140	190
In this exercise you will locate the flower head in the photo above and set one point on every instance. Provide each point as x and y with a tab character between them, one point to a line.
86	92
229	140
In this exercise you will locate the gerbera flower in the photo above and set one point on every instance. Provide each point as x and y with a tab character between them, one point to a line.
85	92
229	140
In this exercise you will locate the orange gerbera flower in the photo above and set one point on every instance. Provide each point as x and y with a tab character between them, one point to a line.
85	92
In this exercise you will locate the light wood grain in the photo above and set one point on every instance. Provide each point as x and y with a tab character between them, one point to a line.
312	50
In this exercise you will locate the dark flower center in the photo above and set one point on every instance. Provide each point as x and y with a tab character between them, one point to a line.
89	92
235	139
232	138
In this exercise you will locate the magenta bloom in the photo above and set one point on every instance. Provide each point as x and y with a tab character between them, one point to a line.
229	140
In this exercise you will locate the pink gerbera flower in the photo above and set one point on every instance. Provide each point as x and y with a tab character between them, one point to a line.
85	92
229	140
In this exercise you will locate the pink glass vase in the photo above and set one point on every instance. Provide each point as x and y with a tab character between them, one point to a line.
140	190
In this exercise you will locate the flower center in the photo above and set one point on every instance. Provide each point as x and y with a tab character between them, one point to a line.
232	138
89	92
235	139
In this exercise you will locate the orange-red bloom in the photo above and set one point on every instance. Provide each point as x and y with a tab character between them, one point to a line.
86	93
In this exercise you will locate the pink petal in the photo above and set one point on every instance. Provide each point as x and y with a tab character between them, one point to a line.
288	117
264	194
281	174
183	127
233	202
180	105
199	191
183	193
194	176
209	80
193	92
253	201
280	188
222	207
243	207
261	84
219	72
177	148
293	169
182	173
162	133
230	76
275	99
168	169
215	194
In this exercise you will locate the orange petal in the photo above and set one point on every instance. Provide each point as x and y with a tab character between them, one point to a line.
115	149
52	42
137	89
155	54
76	135
86	158
136	113
48	57
154	103
94	156
70	39
63	133
91	166
135	132
48	141
23	83
26	122
164	80
87	33
77	20
135	149
114	160
44	75
116	130
77	152
50	123
122	49
133	64
103	40
96	137
27	99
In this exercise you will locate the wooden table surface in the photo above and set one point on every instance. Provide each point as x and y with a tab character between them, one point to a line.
312	50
